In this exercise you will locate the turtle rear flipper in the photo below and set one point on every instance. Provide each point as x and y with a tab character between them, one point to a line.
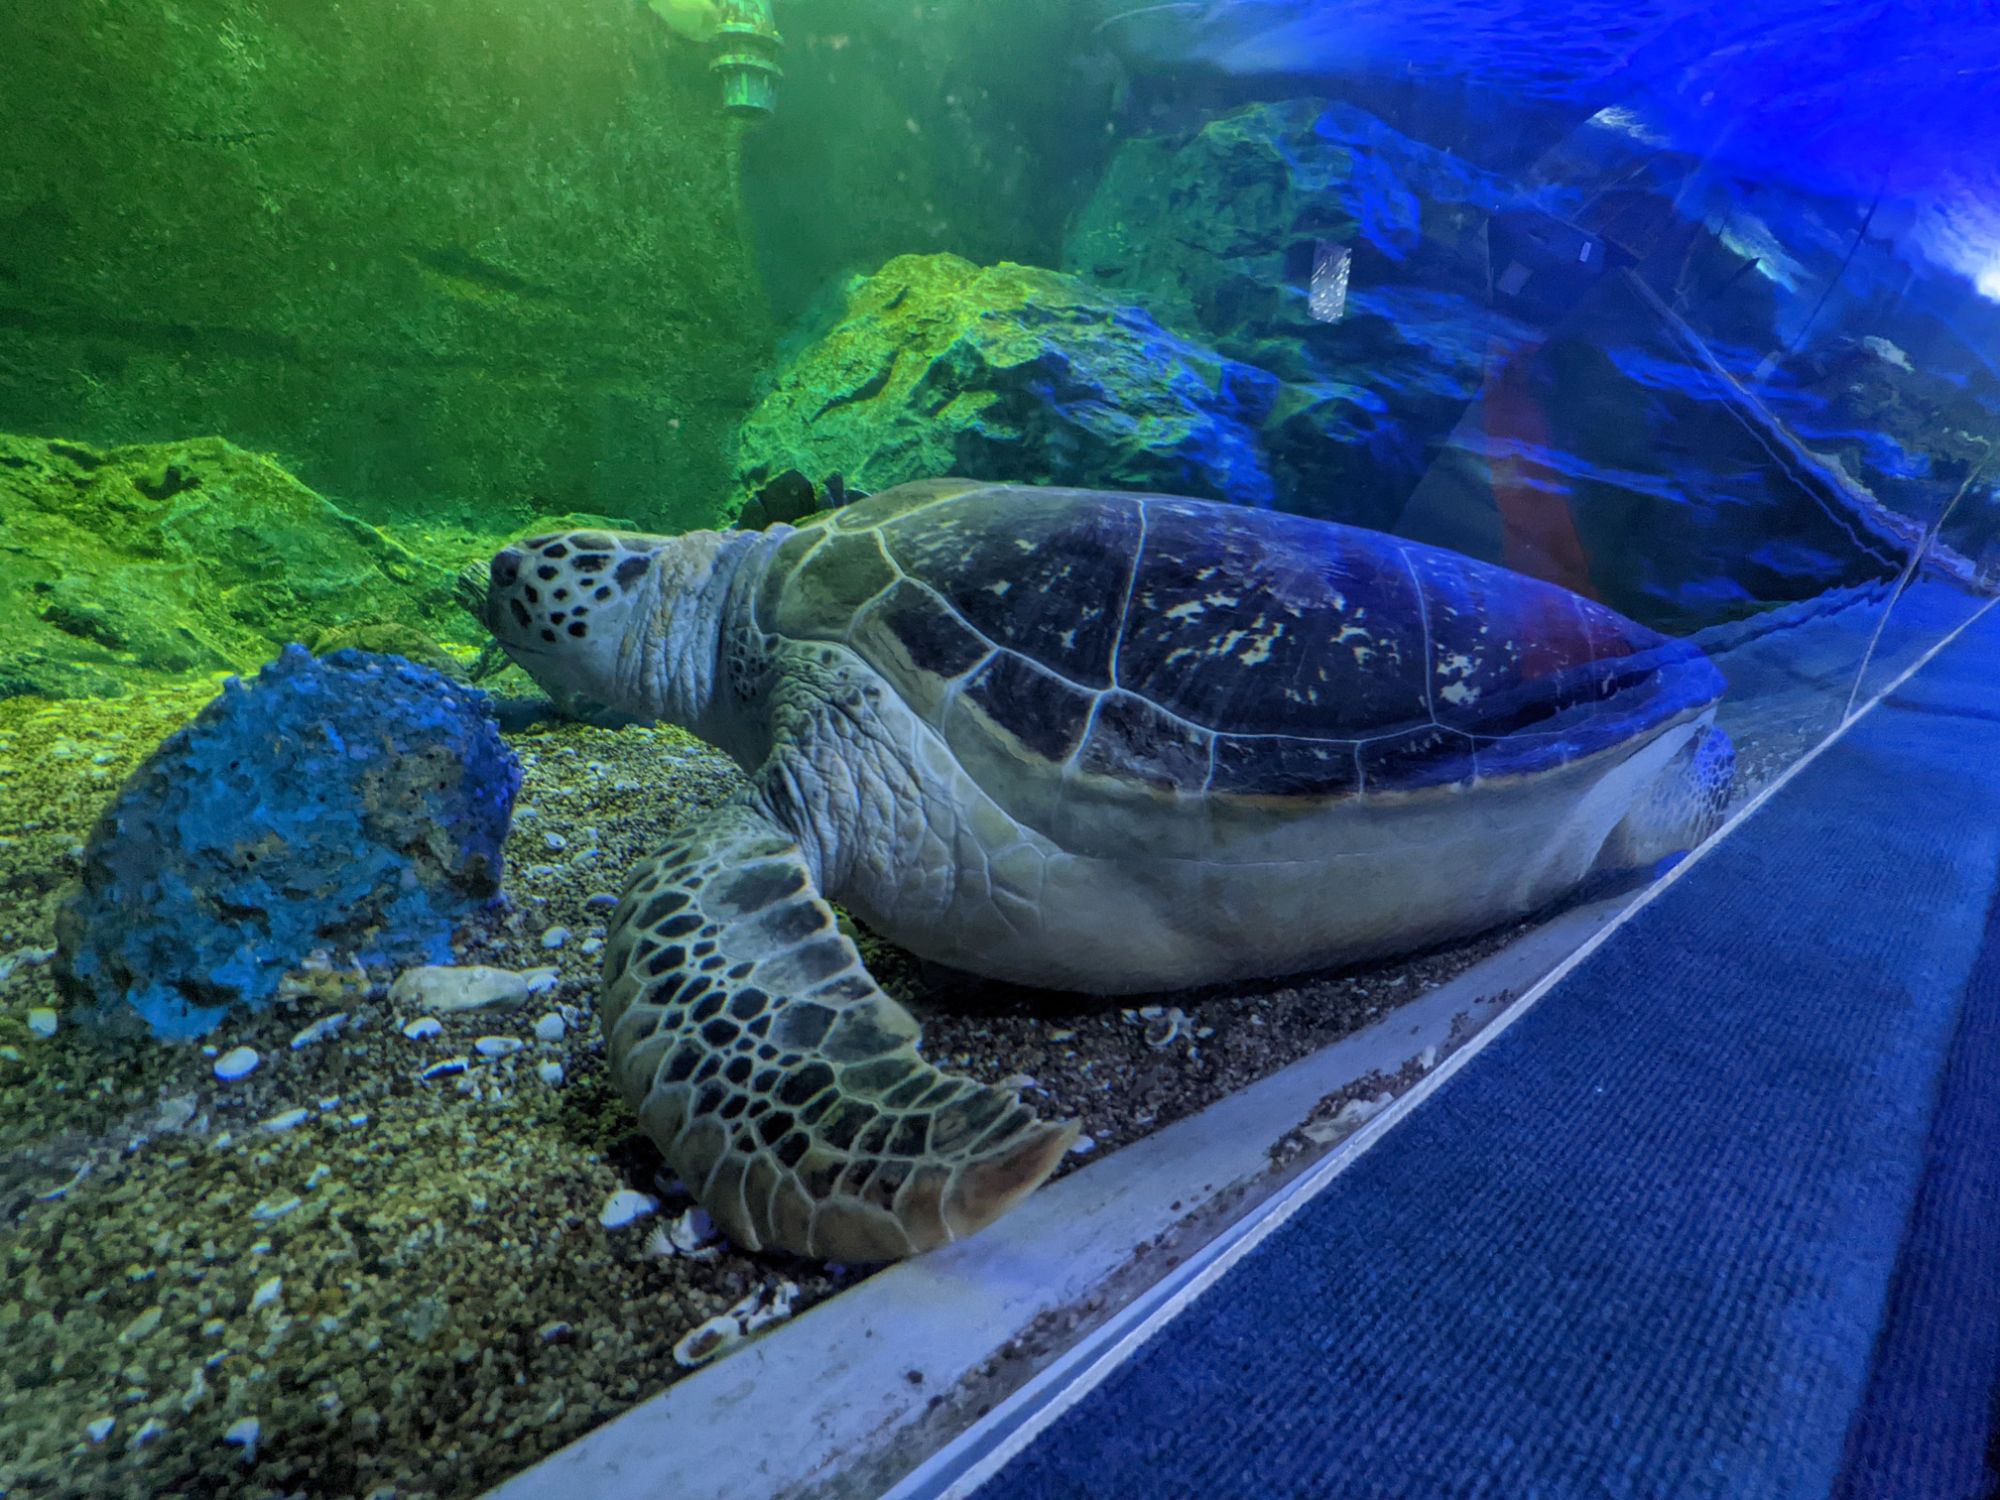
779	1081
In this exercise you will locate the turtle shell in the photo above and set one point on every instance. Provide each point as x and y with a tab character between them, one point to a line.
1196	648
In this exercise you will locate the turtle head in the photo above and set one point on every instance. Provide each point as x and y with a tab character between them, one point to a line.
606	620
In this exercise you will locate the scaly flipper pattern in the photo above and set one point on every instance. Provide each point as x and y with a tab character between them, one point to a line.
779	1081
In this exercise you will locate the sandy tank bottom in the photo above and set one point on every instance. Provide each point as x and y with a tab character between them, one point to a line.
375	1264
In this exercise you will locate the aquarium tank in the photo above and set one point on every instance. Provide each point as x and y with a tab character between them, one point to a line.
687	685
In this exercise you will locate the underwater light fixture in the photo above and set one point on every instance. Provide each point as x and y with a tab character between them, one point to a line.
746	57
744	35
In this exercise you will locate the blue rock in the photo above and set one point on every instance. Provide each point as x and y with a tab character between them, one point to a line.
353	806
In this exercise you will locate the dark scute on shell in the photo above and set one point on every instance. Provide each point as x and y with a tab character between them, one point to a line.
926	631
1044	713
1278	766
1258	623
1043	573
1133	740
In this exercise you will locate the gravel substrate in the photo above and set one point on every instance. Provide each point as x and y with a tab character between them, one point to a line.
334	1275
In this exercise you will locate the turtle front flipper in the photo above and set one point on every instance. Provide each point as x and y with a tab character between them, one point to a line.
779	1081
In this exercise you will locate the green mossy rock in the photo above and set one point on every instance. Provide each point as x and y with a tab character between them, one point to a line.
122	567
1008	372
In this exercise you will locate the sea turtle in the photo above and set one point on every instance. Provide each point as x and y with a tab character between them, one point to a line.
1090	741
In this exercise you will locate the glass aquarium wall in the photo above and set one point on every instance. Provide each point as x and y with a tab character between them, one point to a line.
657	652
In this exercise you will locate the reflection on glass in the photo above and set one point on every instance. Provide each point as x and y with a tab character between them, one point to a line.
1126	542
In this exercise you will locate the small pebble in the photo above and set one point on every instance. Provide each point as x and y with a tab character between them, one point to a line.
238	1062
550	1028
627	1206
551	1332
591	946
269	1212
555	937
42	1021
320	1030
141	1326
446	1068
552	1073
101	1428
286	1120
469	987
554	841
498	1046
266	1293
602	901
1084	1146
153	1428
422	1027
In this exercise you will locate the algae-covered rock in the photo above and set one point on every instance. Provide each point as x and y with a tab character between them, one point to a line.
938	366
1216	229
334	812
121	566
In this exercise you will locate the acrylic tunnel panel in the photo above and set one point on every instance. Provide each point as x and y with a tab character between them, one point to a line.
654	653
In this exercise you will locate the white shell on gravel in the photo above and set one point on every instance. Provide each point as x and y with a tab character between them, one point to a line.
692	1236
550	1028
320	1030
422	1027
552	1073
286	1120
42	1021
237	1062
703	1343
471	987
498	1046
627	1206
758	1313
266	1293
555	937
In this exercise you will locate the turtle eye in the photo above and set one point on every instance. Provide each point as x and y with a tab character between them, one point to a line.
506	567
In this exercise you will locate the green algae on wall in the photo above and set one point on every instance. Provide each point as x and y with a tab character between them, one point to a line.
454	260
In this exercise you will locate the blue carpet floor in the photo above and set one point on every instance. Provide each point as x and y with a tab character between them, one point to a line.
1717	1218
